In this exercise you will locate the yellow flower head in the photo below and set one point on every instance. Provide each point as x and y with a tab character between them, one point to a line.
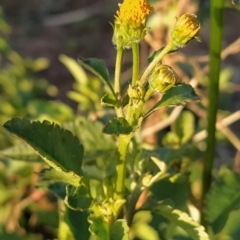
130	22
134	12
186	29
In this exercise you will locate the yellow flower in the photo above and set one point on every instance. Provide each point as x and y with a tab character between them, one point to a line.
186	29
134	12
130	22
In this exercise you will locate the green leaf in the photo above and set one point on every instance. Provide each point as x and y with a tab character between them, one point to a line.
223	197
183	220
98	68
177	95
57	146
109	100
58	188
20	151
178	192
99	228
119	230
184	126
78	224
78	198
118	126
52	175
75	69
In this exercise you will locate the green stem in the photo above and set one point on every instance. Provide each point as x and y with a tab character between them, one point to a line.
216	30
132	204
156	60
123	144
136	63
134	110
134	113
117	79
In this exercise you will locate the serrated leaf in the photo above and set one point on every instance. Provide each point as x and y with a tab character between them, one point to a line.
119	230
98	68
183	220
99	228
223	197
52	175
78	224
109	100
21	152
177	95
57	146
78	198
118	126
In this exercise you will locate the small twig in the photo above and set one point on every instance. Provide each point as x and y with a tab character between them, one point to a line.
73	16
221	124
164	123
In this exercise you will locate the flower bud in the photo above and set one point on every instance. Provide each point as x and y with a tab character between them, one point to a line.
163	78
136	92
186	29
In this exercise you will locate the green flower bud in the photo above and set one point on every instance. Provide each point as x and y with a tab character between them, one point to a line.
186	29
136	92
163	78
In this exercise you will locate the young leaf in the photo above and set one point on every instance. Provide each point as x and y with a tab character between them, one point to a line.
109	100
119	230
58	147
224	197
98	68
78	198
117	126
177	95
183	220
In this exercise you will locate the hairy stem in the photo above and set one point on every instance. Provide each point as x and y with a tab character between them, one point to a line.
215	64
123	144
136	62
117	79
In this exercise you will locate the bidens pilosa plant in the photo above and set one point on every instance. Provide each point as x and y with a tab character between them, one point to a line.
108	195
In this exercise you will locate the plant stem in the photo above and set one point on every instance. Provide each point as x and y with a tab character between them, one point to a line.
155	61
216	29
132	204
123	144
117	79
136	63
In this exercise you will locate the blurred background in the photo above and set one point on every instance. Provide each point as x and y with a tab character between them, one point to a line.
40	41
